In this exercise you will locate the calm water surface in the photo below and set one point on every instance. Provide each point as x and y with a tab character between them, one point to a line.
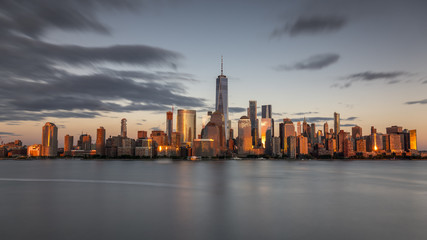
74	199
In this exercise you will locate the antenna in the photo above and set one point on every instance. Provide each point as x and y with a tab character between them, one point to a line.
222	66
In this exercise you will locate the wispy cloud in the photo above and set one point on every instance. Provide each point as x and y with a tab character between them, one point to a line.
312	63
368	76
424	101
310	25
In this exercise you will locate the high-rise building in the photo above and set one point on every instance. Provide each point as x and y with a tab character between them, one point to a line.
313	134
356	132
169	126
266	111
413	139
288	130
244	138
68	145
254	122
336	125
394	129
298	128
85	142
325	129
186	125
265	126
292	143
302	145
305	127
123	129
217	118
361	145
49	140
100	141
221	98
142	134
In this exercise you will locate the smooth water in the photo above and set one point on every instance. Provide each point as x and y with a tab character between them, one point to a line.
75	199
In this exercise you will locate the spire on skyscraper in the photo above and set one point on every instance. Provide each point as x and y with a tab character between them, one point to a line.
222	69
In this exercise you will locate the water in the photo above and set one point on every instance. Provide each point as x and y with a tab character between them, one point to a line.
74	199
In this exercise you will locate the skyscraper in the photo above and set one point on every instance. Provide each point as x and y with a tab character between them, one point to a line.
186	125
123	129
413	139
266	111
221	98
245	138
169	126
336	124
254	122
100	141
356	132
68	144
49	140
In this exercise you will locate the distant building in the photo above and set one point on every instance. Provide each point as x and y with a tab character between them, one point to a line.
221	99
337	126
325	129
49	140
186	125
244	135
169	126
142	134
252	114
395	142
288	130
356	132
127	148
85	142
413	140
361	146
123	128
348	147
302	145
217	119
159	137
292	149
100	141
68	145
276	146
35	150
144	148
394	129
204	148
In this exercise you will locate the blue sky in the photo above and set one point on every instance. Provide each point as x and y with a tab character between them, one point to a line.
363	59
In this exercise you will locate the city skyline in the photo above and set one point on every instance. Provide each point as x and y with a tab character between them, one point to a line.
359	59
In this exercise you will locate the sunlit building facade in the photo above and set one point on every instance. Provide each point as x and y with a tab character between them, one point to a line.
100	141
186	125
336	125
49	140
245	138
413	140
68	145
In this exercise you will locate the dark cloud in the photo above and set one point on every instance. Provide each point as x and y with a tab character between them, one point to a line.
424	82
34	18
311	25
313	63
236	109
424	101
41	88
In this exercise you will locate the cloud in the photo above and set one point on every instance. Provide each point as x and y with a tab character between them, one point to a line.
424	82
368	76
8	134
424	101
43	85
304	113
236	109
311	25
313	63
348	125
313	119
351	118
371	76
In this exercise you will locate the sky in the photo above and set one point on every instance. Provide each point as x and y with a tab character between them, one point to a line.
82	64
